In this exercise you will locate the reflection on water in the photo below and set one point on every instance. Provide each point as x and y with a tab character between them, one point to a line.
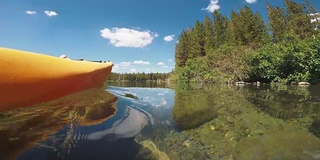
106	139
238	122
286	102
137	121
190	103
23	128
142	84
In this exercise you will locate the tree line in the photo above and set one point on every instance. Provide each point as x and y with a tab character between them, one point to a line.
138	77
245	47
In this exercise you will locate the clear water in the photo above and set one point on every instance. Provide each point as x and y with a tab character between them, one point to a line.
138	121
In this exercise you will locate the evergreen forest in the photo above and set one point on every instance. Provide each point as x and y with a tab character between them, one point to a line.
245	47
138	77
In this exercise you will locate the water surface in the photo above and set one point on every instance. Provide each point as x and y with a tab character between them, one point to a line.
139	121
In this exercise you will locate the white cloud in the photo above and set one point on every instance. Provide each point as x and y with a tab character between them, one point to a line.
213	6
124	64
137	66
251	1
315	20
168	38
314	14
125	37
50	13
141	62
315	17
31	12
170	60
133	70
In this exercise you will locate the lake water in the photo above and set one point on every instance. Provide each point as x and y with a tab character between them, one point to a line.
139	121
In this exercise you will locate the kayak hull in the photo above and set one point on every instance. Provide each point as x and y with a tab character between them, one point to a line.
29	78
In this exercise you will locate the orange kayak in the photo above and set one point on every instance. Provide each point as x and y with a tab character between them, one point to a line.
28	78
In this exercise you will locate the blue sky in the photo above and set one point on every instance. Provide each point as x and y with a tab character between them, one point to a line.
136	35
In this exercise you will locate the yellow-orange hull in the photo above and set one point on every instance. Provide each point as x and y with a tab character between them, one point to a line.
29	78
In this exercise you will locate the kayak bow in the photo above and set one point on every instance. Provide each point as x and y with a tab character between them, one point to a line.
28	78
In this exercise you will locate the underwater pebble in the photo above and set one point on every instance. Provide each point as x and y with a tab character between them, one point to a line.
186	143
212	128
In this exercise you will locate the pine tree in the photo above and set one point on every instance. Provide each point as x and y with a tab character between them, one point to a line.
230	35
248	28
293	9
208	40
235	27
261	35
197	41
298	19
243	25
219	28
182	49
277	22
248	25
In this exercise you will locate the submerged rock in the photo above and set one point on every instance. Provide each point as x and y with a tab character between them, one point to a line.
186	143
193	108
187	119
285	102
150	151
130	96
315	126
279	145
